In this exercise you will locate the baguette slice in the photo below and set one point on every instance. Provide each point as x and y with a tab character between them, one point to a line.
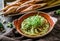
33	7
31	2
21	8
11	10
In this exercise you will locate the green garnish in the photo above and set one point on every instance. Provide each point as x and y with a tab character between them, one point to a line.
1	27
9	25
34	25
58	12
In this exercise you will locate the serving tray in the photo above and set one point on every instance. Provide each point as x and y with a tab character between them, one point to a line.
10	18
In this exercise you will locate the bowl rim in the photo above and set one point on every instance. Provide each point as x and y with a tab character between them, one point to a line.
38	35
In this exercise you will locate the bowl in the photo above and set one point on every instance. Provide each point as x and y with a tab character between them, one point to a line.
17	22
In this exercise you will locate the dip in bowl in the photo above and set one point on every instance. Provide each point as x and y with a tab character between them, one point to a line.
34	24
